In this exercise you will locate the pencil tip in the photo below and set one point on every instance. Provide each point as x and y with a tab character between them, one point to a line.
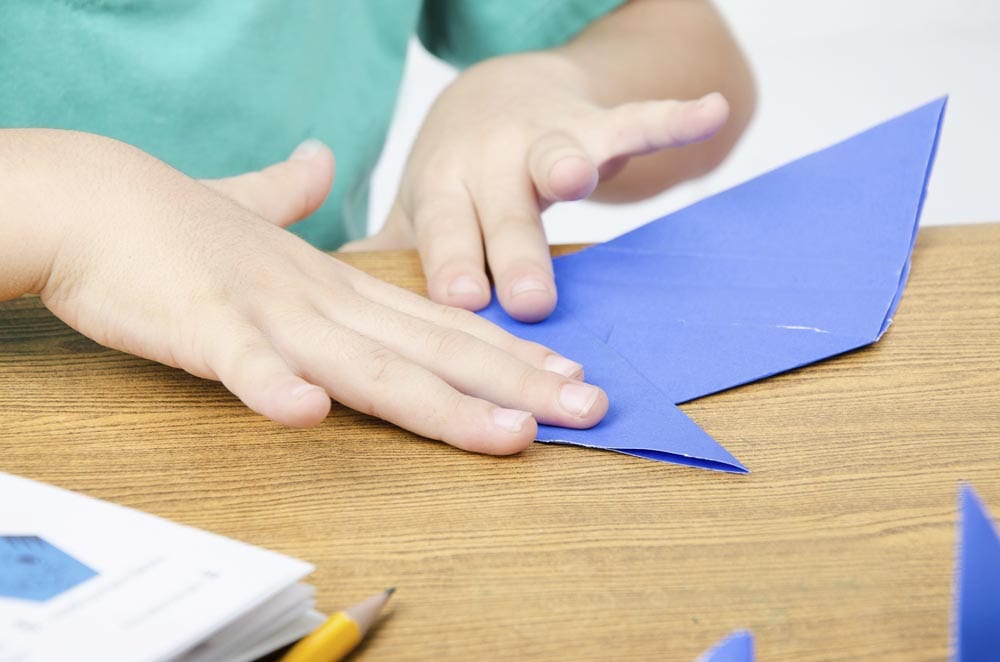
389	591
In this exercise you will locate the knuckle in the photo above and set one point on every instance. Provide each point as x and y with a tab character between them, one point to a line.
531	381
384	366
445	344
438	215
557	144
457	318
443	421
531	352
382	370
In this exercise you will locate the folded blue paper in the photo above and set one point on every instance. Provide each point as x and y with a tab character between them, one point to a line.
977	621
737	647
797	265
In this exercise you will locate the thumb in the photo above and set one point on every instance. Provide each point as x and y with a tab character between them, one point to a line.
285	192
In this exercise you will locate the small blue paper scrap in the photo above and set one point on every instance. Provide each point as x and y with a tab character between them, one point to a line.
33	569
977	623
800	264
737	647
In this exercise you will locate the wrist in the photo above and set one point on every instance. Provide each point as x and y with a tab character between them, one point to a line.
28	242
49	180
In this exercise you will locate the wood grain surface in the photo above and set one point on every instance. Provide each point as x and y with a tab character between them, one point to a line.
838	546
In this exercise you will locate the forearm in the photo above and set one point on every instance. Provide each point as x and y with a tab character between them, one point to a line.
26	239
664	49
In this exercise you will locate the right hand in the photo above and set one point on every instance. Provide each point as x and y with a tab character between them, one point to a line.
202	276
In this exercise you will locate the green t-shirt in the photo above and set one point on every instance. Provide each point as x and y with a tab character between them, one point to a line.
220	87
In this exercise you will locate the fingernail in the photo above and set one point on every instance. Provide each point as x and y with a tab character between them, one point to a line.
302	390
577	399
528	284
511	420
702	102
306	150
563	366
464	285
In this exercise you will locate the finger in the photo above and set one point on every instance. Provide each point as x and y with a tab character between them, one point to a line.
561	169
516	248
472	365
642	127
252	370
532	353
451	248
366	376
396	234
285	192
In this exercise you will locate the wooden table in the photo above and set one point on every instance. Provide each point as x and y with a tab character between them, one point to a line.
839	545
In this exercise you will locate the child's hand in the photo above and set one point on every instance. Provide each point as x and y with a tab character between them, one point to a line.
200	275
509	138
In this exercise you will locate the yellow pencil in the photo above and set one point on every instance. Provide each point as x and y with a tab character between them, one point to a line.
340	633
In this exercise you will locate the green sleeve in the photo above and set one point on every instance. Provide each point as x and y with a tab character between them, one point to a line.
463	32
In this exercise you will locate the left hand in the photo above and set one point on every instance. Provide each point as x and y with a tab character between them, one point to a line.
508	138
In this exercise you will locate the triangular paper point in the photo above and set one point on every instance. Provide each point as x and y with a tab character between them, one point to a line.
977	618
737	647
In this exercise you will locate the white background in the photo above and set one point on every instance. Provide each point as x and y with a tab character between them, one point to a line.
825	70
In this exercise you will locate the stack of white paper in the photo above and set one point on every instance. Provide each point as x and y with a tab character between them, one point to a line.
84	579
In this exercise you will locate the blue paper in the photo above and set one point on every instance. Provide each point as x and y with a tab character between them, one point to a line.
800	264
977	620
639	410
737	647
